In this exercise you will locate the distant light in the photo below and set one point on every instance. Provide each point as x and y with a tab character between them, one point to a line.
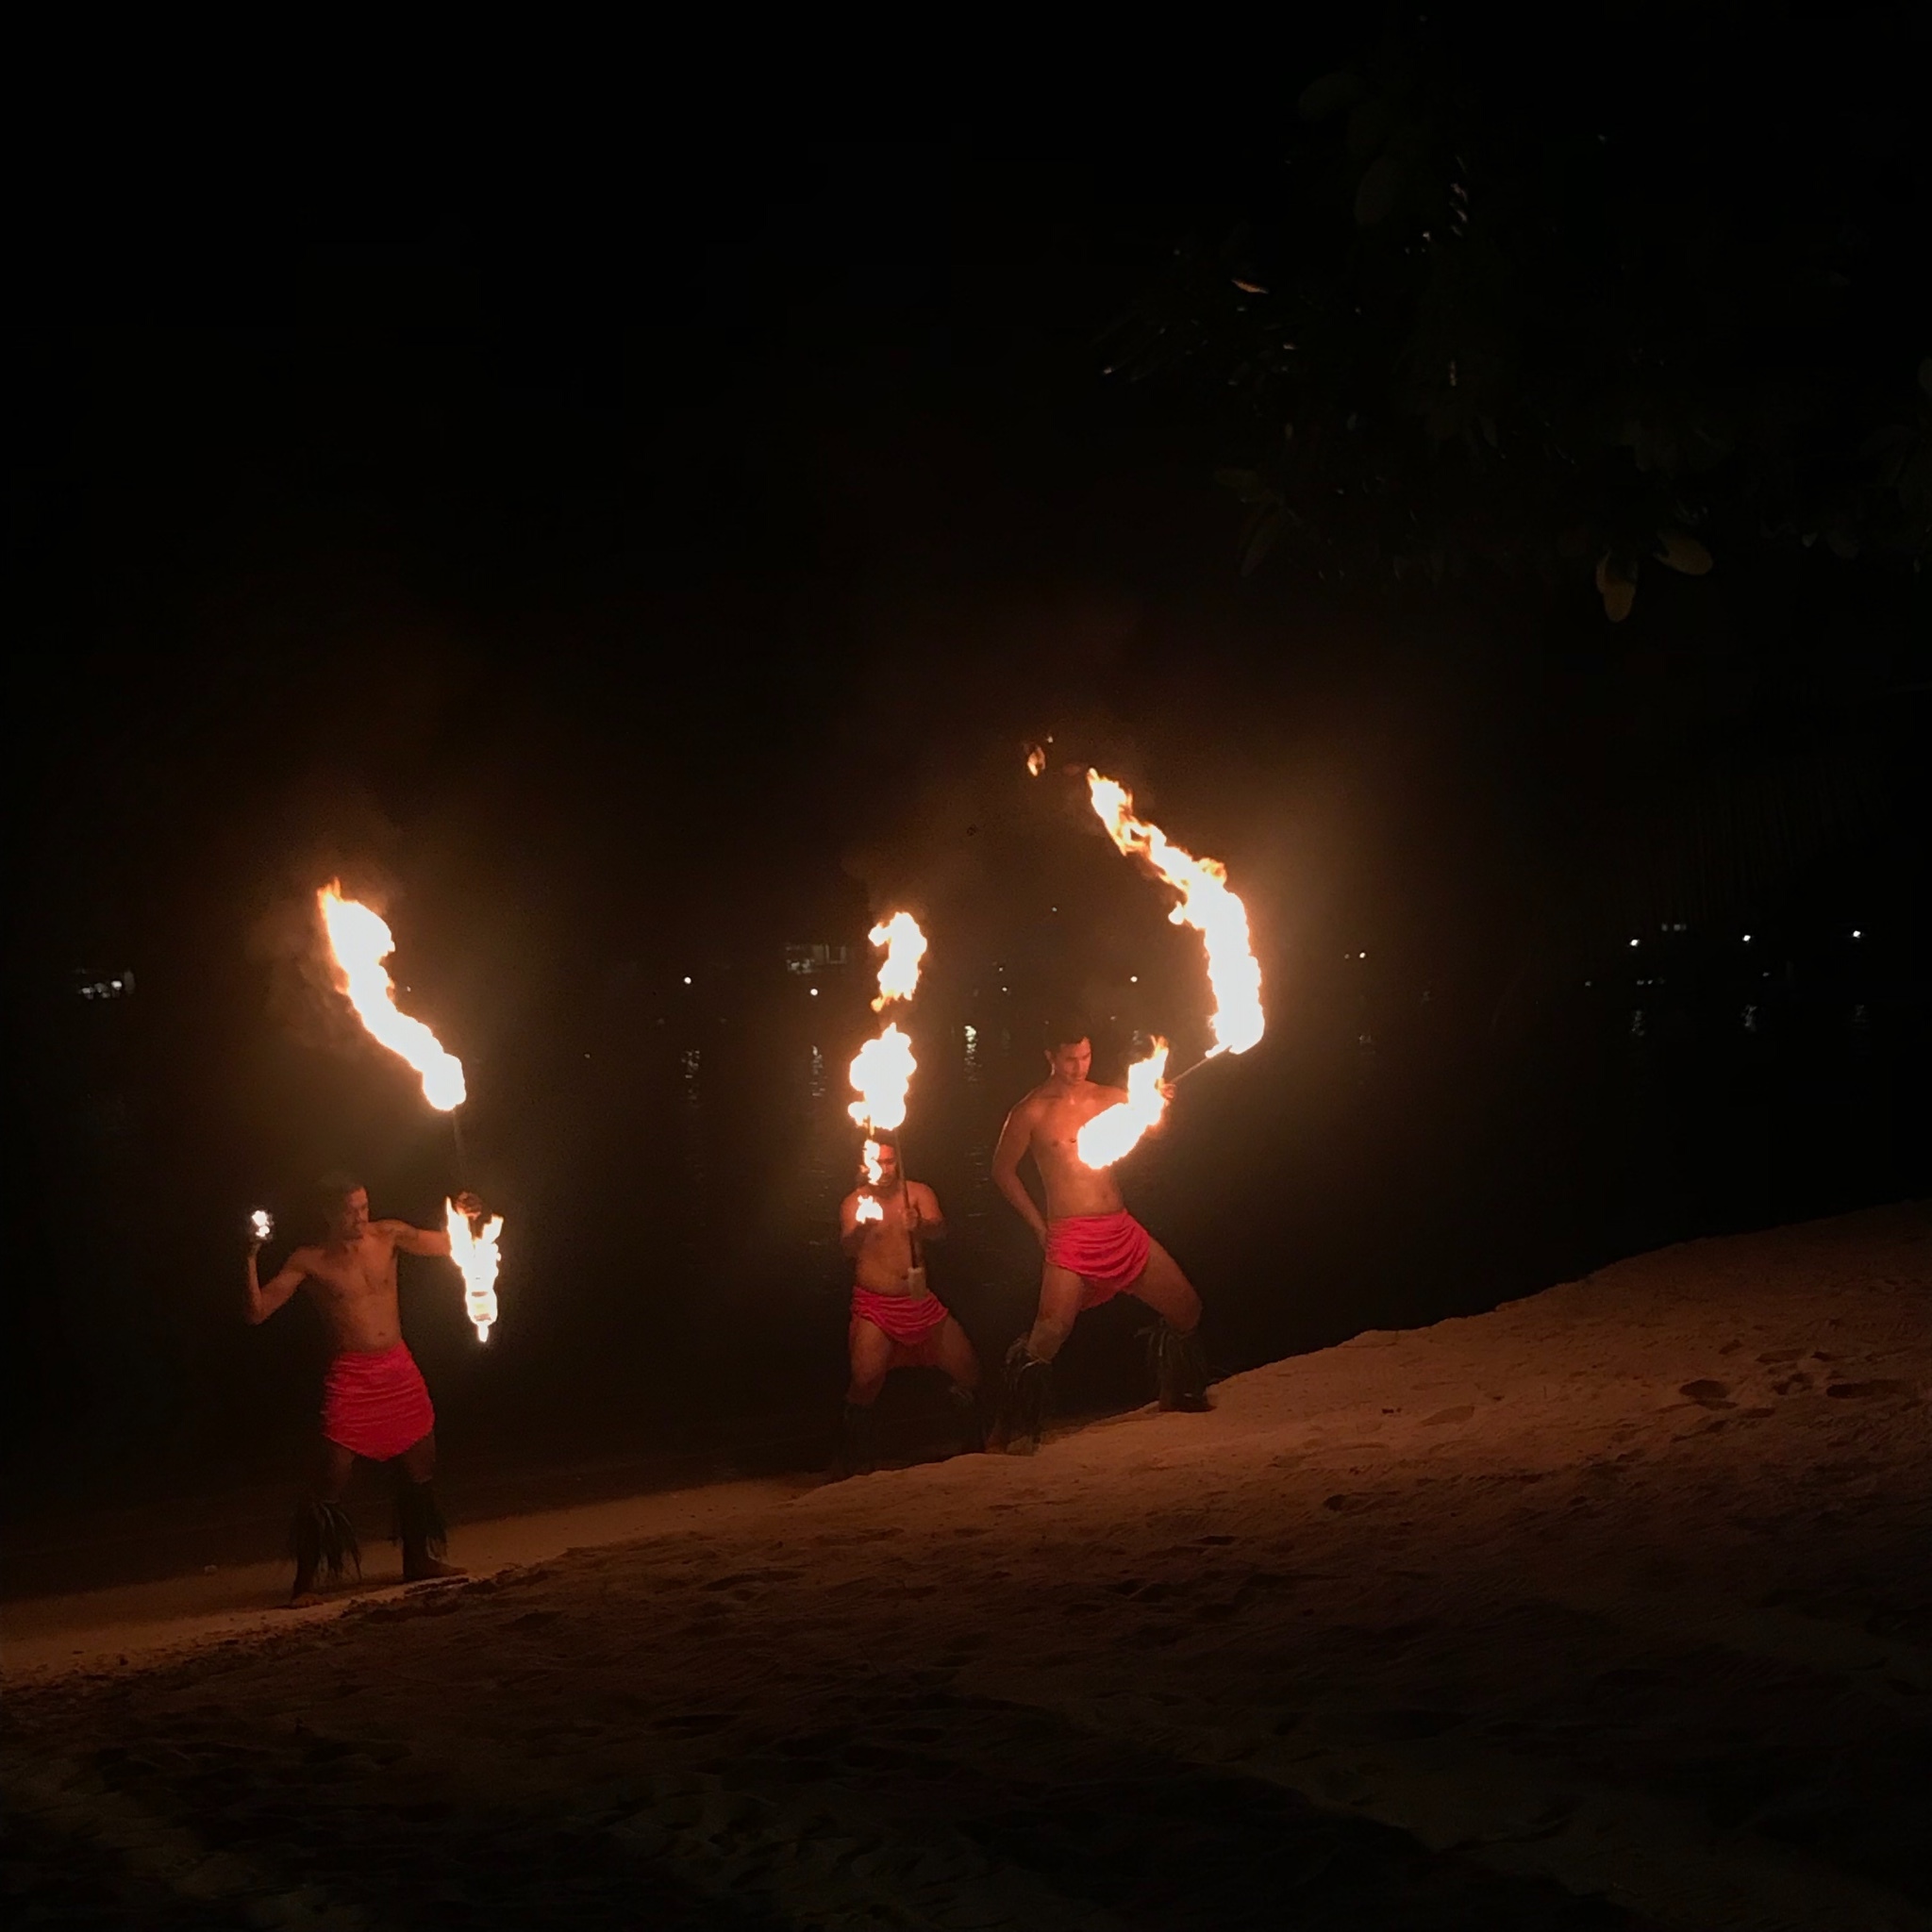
815	992
1636	943
1133	979
1747	939
1361	955
1856	934
687	976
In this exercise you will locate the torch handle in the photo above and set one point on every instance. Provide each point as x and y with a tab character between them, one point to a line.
455	1129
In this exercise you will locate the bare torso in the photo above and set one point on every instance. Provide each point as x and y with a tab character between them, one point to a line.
884	1258
1047	1125
353	1284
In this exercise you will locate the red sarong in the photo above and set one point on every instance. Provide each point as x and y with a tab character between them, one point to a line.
912	1324
1109	1251
376	1405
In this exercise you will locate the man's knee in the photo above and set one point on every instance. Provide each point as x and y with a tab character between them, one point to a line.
1049	1336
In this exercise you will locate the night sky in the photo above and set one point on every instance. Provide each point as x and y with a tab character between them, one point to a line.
621	586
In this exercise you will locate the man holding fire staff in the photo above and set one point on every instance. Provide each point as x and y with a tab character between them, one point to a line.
897	1322
375	1405
1094	1249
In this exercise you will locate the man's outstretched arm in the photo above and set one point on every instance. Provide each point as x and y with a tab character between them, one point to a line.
427	1240
1015	1137
262	1302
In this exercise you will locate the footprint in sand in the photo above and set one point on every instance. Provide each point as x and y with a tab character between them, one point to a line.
1708	1394
1865	1391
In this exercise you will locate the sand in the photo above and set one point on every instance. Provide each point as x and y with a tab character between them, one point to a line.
1612	1608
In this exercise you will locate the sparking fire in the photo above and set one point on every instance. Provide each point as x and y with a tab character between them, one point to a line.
1206	903
868	1209
904	945
1116	1129
475	1252
1036	759
360	941
869	1159
881	1072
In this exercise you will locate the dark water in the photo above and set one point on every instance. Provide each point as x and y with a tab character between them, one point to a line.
1387	1156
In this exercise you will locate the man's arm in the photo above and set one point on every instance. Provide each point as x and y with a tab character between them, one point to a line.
262	1302
1015	1137
427	1240
414	1240
929	1222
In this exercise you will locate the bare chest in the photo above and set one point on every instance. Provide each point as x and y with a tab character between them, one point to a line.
358	1276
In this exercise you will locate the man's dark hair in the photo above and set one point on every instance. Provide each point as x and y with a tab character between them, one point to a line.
332	1189
1064	1029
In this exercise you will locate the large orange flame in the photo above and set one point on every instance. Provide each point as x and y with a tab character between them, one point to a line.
905	947
361	942
1206	903
1116	1131
881	1072
475	1253
868	1209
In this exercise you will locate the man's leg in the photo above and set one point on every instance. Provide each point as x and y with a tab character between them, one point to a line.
955	1354
419	1520
324	1540
1027	1381
869	1349
1180	1369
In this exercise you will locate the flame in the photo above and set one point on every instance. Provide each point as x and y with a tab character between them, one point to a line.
262	1222
1207	905
1036	760
905	947
869	1154
881	1072
475	1256
1116	1129
868	1209
361	942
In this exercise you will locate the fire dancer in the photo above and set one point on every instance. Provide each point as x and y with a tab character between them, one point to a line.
1095	1248
373	1404
897	1322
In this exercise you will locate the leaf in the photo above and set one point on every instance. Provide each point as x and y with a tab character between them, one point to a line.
1616	587
1367	129
1376	197
1323	97
1248	485
1266	534
1682	553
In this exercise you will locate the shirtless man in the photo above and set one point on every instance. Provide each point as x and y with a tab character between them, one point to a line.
373	1404
1095	1248
897	1322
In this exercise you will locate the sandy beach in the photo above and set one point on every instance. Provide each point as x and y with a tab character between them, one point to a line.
1612	1608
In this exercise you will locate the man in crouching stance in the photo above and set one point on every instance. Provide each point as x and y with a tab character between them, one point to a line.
1094	1249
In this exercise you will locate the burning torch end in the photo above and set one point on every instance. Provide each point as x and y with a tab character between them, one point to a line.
482	1331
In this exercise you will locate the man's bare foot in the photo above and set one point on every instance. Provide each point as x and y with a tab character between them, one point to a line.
429	1569
305	1600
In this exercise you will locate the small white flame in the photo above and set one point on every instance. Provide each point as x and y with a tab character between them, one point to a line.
868	1209
264	1223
